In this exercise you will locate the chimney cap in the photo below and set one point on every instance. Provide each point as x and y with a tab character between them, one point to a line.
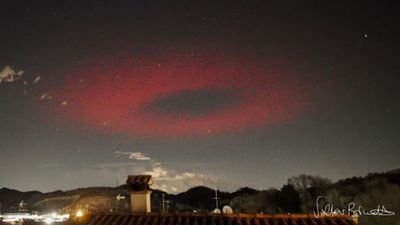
139	182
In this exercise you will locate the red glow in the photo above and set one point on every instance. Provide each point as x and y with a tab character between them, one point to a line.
112	97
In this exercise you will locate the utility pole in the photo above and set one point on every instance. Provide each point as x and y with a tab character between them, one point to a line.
163	203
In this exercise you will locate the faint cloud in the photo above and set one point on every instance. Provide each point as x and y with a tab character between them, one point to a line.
37	79
134	155
175	181
9	74
168	179
157	172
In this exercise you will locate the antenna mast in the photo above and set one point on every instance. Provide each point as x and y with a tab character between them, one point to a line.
216	198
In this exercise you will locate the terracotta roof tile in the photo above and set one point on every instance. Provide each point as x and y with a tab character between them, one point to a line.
213	219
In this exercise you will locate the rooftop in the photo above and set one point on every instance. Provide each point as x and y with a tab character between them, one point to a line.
217	219
139	182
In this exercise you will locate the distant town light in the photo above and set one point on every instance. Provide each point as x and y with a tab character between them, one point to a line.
79	213
46	218
49	220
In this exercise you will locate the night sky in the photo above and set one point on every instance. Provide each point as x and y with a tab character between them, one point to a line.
224	94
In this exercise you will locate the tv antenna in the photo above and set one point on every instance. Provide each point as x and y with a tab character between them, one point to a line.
216	210
21	206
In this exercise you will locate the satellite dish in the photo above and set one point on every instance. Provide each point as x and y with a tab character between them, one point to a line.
217	211
227	209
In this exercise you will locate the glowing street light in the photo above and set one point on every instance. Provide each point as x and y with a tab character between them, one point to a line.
48	220
79	213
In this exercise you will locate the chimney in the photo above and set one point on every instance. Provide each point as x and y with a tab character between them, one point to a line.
140	193
140	201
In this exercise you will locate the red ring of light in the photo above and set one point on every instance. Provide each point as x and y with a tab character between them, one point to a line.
112	97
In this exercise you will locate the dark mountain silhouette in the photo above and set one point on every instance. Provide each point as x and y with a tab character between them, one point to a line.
10	198
296	196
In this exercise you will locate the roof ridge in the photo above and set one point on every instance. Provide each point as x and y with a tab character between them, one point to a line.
242	215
